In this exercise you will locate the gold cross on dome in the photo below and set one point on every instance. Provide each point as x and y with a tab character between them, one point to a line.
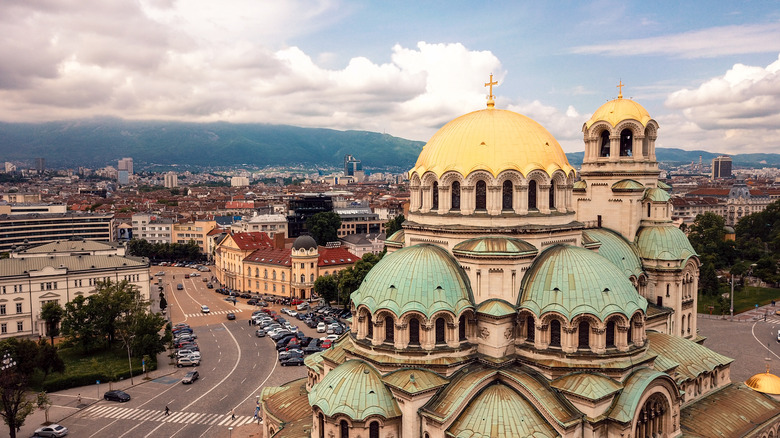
620	89
490	84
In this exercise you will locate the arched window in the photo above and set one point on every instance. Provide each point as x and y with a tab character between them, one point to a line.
626	143
265	273
532	195
282	275
653	419
370	326
321	424
506	195
583	332
435	195
257	272
689	323
455	196
555	333
303	278
344	427
481	195
373	429
530	329
648	209
551	195
311	278
440	338
462	328
414	331
630	333
682	328
273	275
611	334
604	144
389	329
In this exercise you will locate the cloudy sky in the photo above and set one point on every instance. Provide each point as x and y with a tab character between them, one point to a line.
707	71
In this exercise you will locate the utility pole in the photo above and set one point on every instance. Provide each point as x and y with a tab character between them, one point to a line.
731	297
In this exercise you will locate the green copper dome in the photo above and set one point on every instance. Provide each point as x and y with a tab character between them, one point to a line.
495	307
354	389
666	243
422	278
617	250
657	195
574	281
495	246
627	185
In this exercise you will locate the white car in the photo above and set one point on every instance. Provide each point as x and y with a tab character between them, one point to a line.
195	355
321	327
52	430
205	309
329	338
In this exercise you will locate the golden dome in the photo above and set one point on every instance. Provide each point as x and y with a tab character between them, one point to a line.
764	382
493	140
617	110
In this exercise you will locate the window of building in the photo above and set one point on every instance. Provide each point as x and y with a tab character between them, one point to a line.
373	429
18	307
530	329
389	329
4	328
311	277
481	195
532	195
273	275
344	429
555	333
303	278
604	152
626	143
370	327
414	331
551	194
583	332
274	287
265	273
282	276
435	196
506	195
611	334
462	328
20	326
321	424
455	196
439	327
2	309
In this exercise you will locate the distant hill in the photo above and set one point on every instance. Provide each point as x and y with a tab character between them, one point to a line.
102	141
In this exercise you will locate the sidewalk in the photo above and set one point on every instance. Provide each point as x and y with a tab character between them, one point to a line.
65	403
755	314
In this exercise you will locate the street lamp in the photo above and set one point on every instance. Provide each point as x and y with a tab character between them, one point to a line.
130	340
230	431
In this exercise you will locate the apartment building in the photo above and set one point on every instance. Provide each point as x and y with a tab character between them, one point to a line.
195	230
36	228
152	228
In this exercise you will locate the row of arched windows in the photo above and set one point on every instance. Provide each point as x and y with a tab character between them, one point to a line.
584	328
439	327
373	428
626	143
480	200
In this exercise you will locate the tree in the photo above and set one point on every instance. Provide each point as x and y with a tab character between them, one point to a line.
52	314
80	324
351	278
394	225
708	279
707	238
48	360
324	227
327	287
15	400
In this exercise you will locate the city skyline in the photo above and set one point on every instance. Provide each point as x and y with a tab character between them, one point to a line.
707	72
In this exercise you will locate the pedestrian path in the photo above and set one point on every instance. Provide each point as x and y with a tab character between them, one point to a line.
119	412
213	312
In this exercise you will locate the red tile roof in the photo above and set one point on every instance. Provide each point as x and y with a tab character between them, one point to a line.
335	257
252	240
270	256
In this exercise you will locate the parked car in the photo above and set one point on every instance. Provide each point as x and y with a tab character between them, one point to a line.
329	338
205	309
52	430
117	395
290	353
231	316
190	377
279	335
260	333
160	274
184	352
326	344
210	285
187	361
295	360
311	348
179	286
322	327
205	280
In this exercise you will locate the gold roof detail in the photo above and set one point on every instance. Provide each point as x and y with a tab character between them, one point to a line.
767	383
491	99
493	140
617	110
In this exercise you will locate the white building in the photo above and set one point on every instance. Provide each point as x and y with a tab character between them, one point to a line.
239	181
171	180
152	228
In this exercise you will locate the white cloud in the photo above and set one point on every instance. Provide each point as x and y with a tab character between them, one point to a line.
739	110
704	43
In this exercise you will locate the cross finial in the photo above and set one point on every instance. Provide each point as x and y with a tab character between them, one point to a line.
490	84
620	89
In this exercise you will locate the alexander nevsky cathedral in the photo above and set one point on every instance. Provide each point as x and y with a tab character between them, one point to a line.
523	300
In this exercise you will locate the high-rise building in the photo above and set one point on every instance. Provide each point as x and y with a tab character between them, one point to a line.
40	164
239	181
125	164
9	167
721	167
354	168
171	180
122	177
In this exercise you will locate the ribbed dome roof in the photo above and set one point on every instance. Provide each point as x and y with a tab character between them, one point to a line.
494	246
423	278
354	389
305	242
666	243
493	140
617	110
764	382
573	281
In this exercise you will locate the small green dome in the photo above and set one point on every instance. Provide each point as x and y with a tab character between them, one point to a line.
664	186
574	281
495	307
423	278
495	246
396	238
665	243
627	185
657	195
617	250
354	389
580	186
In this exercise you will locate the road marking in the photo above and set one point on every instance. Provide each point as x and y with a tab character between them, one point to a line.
253	393
753	332
178	431
153	430
101	429
238	347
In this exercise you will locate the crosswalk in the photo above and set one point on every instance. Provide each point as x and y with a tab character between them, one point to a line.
119	412
213	312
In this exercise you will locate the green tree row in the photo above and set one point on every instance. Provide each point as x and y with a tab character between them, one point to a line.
164	251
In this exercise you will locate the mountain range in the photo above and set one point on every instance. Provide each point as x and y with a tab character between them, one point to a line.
100	142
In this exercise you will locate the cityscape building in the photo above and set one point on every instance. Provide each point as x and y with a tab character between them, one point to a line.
517	301
171	180
721	167
17	230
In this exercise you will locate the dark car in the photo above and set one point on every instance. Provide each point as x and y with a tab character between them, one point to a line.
260	333
190	377
311	348
209	285
179	286
231	316
283	341
295	360
290	353
245	295
117	395
279	335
